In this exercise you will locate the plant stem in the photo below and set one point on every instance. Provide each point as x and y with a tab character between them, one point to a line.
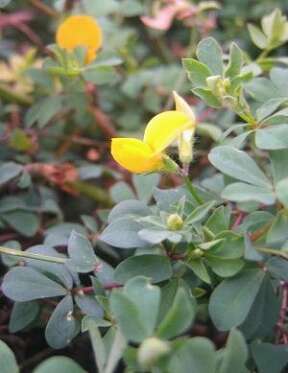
273	252
24	254
192	190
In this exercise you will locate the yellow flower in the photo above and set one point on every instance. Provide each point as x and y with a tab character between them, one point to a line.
80	31
148	155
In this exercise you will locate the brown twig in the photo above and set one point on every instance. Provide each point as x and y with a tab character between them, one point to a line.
44	8
33	37
103	121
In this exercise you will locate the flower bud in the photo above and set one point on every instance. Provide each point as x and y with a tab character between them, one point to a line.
185	146
151	350
218	85
181	105
197	253
174	222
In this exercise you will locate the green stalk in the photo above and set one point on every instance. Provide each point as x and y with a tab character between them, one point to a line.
24	254
273	252
192	190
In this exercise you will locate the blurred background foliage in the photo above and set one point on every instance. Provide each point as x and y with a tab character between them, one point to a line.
56	172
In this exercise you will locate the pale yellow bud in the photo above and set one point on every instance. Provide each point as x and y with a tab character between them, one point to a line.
174	222
185	146
151	350
182	105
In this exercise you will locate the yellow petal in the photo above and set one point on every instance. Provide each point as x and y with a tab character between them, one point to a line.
182	105
164	128
135	155
80	31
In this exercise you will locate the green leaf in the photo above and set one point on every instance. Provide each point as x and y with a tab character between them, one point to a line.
231	301
96	9
279	160
7	359
238	164
97	343
179	317
131	207
269	107
235	354
272	138
224	268
156	267
199	213
209	130
270	358
219	220
121	191
241	192
261	319
279	77
59	364
89	306
147	299
100	74
235	61
210	54
257	36
156	235
278	268
62	326
207	96
25	222
262	89
43	111
144	185
282	191
250	252
81	254
196	355
23	284
200	270
9	171
22	315
57	271
123	233
278	230
197	72
124	311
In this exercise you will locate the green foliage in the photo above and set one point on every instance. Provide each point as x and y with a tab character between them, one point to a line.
159	270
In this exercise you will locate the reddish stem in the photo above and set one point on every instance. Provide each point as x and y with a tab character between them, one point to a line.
282	333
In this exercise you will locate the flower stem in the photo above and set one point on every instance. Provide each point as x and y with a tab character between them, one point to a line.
24	254
192	190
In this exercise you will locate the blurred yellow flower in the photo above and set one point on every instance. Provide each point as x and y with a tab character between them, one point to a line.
148	155
80	31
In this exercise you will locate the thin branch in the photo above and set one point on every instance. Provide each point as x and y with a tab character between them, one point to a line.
25	254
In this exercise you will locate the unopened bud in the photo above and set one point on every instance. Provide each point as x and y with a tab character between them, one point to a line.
151	350
218	85
185	146
197	253
174	222
182	105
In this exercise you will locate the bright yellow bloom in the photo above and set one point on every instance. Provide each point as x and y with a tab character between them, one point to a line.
80	31
148	155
